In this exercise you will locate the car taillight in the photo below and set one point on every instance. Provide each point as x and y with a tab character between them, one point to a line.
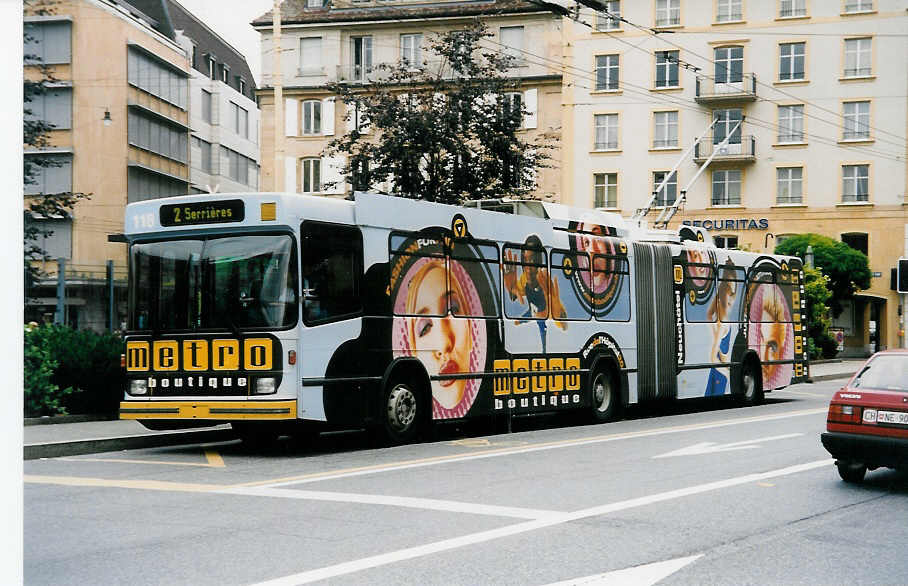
843	413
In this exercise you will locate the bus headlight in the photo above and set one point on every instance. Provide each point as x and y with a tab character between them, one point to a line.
138	387
265	386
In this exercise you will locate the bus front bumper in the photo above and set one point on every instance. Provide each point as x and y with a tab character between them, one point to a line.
211	410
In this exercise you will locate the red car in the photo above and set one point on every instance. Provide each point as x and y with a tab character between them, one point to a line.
867	424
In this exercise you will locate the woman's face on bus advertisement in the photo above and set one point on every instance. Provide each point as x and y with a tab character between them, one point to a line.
697	257
772	336
442	343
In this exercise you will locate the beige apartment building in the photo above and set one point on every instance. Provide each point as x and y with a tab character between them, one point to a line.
324	42
811	95
118	81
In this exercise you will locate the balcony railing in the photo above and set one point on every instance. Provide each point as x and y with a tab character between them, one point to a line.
792	12
743	150
710	90
858	72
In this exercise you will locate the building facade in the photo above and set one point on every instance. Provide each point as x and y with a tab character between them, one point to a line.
810	96
128	80
323	43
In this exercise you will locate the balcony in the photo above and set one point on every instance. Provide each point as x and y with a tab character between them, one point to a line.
710	91
742	150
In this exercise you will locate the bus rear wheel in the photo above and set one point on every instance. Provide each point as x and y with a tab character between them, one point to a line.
751	383
605	397
404	411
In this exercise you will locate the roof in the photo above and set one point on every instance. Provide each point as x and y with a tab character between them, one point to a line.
295	11
173	16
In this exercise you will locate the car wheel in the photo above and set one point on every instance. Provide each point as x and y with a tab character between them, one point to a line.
852	472
605	398
403	411
751	383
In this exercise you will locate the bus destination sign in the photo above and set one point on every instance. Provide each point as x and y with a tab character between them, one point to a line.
195	213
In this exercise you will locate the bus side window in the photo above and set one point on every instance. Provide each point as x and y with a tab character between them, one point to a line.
525	289
332	267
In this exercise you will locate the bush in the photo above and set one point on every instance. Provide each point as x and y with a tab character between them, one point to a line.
84	364
820	343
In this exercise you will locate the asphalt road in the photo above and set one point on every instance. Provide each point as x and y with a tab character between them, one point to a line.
700	494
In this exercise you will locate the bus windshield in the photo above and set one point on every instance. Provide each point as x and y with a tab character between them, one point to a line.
229	282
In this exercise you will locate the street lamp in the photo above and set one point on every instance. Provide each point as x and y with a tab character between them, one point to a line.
107	120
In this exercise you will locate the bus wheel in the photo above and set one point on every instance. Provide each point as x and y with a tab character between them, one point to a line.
605	396
403	411
751	384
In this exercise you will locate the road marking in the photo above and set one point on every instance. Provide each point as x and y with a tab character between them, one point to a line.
394	501
645	575
508	451
518	528
121	483
713	447
212	460
822	396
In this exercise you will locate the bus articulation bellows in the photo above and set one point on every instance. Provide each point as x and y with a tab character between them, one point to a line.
287	311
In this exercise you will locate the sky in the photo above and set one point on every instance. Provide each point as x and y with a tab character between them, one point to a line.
230	19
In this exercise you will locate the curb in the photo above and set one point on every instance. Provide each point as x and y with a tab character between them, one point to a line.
55	419
822	377
113	444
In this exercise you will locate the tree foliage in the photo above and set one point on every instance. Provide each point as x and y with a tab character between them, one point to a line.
37	81
817	295
444	131
848	269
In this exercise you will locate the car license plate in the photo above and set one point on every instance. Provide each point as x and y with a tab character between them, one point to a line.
895	417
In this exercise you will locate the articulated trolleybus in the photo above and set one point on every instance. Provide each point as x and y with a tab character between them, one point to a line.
287	312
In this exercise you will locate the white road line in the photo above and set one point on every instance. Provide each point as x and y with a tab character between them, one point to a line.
503	532
319	477
394	501
645	575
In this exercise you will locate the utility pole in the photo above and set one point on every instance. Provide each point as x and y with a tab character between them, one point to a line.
277	80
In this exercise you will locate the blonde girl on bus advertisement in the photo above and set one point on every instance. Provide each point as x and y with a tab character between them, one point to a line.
771	334
721	312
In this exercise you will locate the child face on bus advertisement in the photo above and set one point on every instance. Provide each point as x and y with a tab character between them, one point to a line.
596	246
698	274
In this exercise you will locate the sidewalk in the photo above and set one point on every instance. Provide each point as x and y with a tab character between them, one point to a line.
55	440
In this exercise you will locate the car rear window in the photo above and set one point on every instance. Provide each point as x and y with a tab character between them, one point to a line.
885	372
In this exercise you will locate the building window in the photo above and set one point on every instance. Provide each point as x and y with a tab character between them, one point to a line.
606	126
789	184
311	56
142	185
237	165
605	190
728	124
726	188
665	132
240	118
855	183
791	123
666	69
793	8
726	241
207	165
47	42
858	6
729	64
411	50
512	108
512	39
857	241
312	182
606	72
608	19
212	68
54	106
312	117
225	74
361	56
857	57
857	121
149	75
206	107
241	86
728	11
315	3
56	177
158	137
669	193
668	12
791	61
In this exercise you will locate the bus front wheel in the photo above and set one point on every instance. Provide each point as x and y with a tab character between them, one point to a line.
403	411
605	396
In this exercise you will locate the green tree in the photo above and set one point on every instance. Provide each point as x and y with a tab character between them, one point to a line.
817	295
444	131
37	80
848	269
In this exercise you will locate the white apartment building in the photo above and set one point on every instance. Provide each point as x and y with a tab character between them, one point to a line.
811	95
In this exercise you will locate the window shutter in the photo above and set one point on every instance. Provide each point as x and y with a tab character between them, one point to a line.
291	121
332	173
351	117
290	180
530	99
328	117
